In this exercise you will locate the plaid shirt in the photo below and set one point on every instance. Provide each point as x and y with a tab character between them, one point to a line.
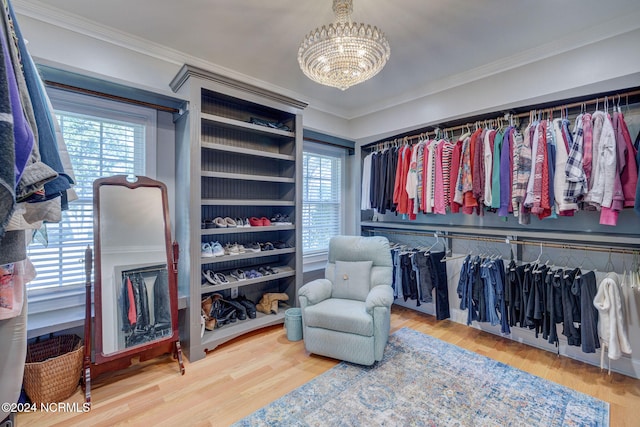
521	169
575	174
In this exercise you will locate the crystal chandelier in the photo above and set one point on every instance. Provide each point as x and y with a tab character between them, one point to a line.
344	53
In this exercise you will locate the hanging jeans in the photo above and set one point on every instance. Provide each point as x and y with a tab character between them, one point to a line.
425	283
515	283
554	304
409	285
477	291
586	288
161	300
397	273
488	275
416	272
570	308
439	279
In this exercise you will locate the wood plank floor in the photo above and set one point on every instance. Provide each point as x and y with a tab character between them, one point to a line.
244	375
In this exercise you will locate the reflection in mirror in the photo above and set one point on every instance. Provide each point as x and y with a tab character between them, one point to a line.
135	281
133	262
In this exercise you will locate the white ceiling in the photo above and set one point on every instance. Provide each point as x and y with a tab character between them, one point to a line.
434	43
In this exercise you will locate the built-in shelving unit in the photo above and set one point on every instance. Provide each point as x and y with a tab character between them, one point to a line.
238	154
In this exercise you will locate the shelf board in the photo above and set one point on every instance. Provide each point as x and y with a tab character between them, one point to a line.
247	151
237	230
246	255
229	331
245	202
233	283
227	122
247	177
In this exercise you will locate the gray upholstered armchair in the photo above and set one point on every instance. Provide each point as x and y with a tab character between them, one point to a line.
347	314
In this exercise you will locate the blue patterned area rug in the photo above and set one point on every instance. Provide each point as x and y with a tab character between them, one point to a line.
423	381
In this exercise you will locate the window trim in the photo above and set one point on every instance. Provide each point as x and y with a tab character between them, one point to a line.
317	259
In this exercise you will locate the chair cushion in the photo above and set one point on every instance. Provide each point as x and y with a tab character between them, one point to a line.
351	280
342	315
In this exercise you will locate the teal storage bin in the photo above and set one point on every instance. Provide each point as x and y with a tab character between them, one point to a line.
293	324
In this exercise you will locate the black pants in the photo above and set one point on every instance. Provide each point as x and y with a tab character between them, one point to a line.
439	280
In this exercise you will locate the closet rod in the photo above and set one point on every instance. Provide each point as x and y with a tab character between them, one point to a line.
526	114
517	242
155	269
111	97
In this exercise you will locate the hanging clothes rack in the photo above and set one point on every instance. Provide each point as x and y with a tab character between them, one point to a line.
149	269
375	146
513	240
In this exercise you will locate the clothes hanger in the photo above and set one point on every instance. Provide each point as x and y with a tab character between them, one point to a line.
536	262
586	258
437	236
609	267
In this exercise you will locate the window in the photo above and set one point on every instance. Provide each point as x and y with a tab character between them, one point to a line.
103	138
322	196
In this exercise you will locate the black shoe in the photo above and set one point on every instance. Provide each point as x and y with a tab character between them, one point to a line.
241	310
250	306
222	312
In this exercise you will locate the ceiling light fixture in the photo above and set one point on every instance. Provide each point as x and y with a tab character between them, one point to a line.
344	53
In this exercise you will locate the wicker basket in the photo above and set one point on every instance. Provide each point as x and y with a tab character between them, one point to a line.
53	368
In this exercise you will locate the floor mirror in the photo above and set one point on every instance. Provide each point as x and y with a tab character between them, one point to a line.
135	278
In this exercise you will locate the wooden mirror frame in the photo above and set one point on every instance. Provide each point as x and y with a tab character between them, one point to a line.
118	360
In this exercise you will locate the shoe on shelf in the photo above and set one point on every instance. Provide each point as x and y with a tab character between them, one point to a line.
209	223
241	310
253	274
239	275
233	249
271	270
230	222
217	249
280	245
252	247
265	221
241	248
249	305
220	222
208	275
209	323
269	302
207	251
255	222
263	271
267	246
279	219
247	223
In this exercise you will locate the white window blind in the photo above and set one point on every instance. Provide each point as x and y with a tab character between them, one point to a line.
103	139
322	196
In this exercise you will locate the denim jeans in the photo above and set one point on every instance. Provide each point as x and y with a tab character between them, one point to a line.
425	284
409	285
439	279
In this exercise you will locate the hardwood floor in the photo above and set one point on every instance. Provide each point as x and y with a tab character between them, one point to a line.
243	375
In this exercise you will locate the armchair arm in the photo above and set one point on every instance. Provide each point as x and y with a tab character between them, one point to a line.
379	296
316	291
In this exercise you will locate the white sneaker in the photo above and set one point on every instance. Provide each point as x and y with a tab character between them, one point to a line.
216	249
207	252
231	249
